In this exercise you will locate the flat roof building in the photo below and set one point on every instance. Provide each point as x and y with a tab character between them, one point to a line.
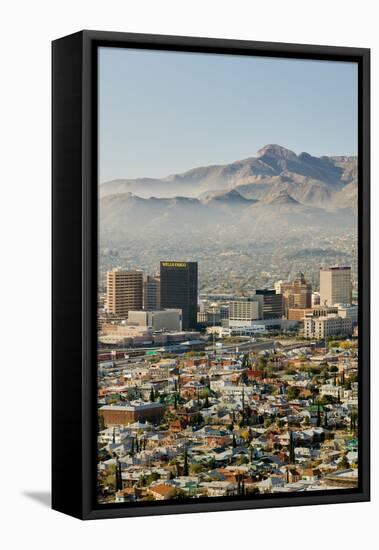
124	292
165	319
244	310
115	415
179	290
322	327
271	303
335	285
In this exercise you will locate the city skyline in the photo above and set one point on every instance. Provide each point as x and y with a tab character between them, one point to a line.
228	312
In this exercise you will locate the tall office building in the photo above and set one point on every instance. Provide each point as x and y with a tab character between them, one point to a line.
296	294
124	291
244	310
335	285
179	290
152	293
271	303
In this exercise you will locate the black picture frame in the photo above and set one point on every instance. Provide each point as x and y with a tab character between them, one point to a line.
74	269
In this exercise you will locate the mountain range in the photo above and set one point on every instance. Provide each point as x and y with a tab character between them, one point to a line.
276	190
317	181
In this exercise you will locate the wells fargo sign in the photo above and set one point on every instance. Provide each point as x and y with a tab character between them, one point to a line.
174	264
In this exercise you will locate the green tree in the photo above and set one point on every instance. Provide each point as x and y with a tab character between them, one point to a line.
293	393
353	419
262	362
318	415
118	476
343	463
185	462
291	449
101	423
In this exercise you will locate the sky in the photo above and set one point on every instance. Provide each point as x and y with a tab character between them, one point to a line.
162	113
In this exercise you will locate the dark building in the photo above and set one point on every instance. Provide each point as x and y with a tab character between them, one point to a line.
152	293
179	290
272	303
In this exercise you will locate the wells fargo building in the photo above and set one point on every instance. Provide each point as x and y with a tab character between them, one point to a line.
179	290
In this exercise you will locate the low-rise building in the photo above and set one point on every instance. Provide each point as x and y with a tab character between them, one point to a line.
162	319
114	415
322	327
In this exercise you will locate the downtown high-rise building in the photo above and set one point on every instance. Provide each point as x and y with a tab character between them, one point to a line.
296	294
179	290
152	293
124	292
271	303
335	285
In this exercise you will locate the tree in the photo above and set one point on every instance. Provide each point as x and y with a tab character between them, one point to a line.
291	449
262	362
318	415
343	463
293	393
152	395
251	453
343	378
101	423
246	361
118	476
325	419
197	419
353	419
185	463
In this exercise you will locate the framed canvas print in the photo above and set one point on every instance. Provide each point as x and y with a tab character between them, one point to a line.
210	275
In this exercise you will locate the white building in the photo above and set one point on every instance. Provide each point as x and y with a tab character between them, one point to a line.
347	310
322	327
163	319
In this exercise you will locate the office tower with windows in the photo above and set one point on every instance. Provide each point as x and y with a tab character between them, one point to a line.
179	290
124	291
335	285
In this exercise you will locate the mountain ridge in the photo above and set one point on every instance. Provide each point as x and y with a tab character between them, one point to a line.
308	179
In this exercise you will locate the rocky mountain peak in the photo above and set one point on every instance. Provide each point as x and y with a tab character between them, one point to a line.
276	151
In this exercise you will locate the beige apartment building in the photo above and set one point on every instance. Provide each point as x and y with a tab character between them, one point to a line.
244	310
335	285
124	292
322	327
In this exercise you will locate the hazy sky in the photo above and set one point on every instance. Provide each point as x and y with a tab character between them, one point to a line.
165	112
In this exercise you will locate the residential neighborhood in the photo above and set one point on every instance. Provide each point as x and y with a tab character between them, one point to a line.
275	416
